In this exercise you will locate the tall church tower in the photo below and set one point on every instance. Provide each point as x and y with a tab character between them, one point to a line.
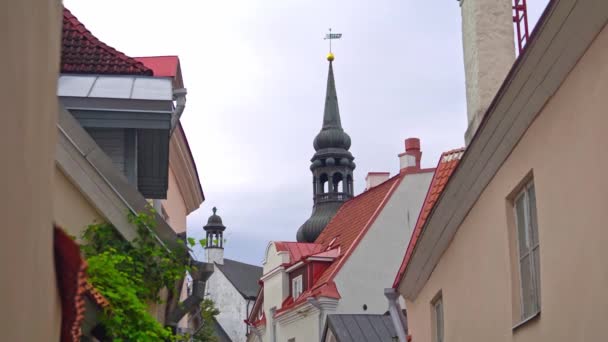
332	166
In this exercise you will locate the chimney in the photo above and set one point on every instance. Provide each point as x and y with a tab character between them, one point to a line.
375	178
489	52
410	159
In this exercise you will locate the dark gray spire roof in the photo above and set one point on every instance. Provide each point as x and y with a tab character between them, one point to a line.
214	222
332	135
332	166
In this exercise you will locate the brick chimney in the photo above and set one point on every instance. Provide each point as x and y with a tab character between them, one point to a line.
375	178
489	52
410	159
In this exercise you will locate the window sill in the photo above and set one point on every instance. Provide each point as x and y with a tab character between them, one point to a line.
524	322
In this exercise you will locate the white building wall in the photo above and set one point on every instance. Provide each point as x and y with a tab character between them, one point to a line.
379	254
230	303
305	328
376	259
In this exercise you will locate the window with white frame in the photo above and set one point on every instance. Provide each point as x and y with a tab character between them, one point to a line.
438	319
528	247
296	287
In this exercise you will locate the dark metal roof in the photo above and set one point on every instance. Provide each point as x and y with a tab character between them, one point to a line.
214	223
361	328
332	135
220	333
243	276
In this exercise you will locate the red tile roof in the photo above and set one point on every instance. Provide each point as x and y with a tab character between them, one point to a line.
297	250
447	164
163	66
348	227
83	53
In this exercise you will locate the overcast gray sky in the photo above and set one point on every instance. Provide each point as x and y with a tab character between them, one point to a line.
256	73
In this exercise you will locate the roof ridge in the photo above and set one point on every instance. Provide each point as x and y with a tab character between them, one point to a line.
367	192
429	203
241	262
396	181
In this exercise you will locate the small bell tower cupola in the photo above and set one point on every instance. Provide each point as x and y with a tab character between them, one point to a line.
332	166
214	246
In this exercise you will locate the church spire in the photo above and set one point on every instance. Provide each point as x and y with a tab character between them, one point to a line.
332	166
331	115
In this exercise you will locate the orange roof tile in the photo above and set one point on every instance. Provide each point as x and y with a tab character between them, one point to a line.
447	164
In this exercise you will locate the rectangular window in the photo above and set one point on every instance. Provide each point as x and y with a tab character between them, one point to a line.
296	287
438	319
528	251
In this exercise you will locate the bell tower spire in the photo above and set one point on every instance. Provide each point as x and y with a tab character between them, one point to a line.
214	246
332	166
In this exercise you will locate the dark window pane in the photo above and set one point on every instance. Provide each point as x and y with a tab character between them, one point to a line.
533	222
536	255
439	319
522	237
528	292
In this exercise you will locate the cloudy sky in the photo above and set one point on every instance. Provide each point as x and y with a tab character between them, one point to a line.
256	73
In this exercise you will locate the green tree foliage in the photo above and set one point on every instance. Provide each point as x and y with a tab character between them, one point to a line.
208	313
130	275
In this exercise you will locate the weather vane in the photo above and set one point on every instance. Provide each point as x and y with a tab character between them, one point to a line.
331	36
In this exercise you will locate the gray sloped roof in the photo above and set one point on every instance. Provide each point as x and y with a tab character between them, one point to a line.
361	328
243	276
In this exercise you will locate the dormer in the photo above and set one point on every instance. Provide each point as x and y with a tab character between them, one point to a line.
304	273
127	108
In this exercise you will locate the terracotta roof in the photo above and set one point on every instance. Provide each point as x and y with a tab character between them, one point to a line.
96	297
83	53
297	250
344	231
447	164
163	66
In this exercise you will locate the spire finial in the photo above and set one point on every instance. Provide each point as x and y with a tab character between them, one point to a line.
214	210
331	36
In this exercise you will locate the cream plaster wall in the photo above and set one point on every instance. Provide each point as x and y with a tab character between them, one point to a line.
276	287
71	210
489	52
565	149
174	205
305	328
29	65
379	254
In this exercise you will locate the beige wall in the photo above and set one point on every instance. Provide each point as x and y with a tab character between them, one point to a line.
565	149
488	51
174	205
71	210
29	63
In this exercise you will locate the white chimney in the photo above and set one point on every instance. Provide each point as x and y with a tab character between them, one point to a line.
410	159
489	52
375	178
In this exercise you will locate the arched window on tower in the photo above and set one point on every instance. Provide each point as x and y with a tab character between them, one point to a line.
323	184
338	182
349	184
